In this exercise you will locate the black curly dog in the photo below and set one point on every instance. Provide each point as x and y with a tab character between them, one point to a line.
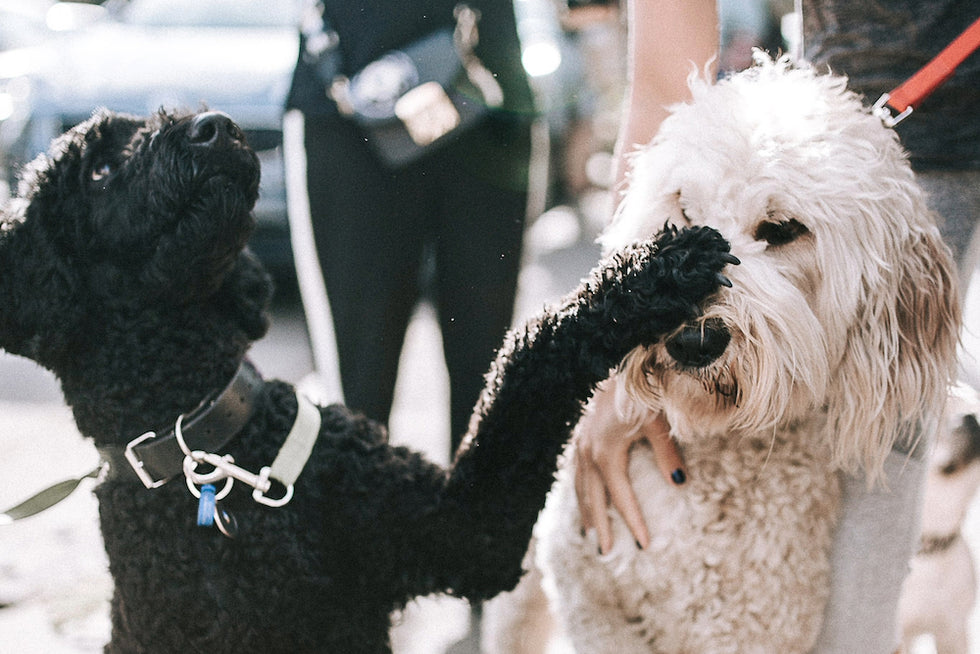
123	269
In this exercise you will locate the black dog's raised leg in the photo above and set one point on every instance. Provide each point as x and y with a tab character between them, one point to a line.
534	395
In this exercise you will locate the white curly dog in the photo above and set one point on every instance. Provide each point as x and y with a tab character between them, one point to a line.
836	340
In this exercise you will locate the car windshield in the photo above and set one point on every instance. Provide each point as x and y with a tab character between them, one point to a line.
212	13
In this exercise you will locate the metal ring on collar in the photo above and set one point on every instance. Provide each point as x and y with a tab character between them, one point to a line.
259	495
194	479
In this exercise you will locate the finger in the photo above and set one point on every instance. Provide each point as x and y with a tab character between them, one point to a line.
592	502
624	499
665	450
599	500
585	508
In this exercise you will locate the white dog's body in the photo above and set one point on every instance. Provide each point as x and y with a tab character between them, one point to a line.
836	340
707	582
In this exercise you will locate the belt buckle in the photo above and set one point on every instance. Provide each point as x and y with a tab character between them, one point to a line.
137	464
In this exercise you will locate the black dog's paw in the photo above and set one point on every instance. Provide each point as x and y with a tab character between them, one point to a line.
664	281
695	256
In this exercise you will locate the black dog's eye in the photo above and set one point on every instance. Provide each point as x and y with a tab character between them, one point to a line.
101	171
780	232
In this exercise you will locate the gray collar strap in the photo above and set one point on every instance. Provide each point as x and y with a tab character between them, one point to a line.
285	469
46	498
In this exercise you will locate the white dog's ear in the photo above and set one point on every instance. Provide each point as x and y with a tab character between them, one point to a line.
898	366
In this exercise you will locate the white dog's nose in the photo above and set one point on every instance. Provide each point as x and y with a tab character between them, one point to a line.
698	345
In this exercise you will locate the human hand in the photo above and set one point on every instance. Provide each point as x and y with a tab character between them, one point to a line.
602	466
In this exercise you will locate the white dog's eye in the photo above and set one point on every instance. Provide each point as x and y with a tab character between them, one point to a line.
101	171
780	232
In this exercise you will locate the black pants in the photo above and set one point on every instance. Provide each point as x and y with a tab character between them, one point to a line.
464	204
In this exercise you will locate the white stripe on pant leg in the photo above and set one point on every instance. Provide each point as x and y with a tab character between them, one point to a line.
313	291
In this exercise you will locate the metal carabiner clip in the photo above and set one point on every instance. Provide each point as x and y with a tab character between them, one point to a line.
882	110
259	493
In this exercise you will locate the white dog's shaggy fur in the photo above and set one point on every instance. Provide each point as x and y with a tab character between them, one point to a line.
842	321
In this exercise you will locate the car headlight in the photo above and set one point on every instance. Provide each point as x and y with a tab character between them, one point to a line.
15	95
6	105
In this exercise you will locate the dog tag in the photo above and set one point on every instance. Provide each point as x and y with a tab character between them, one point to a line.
227	524
206	506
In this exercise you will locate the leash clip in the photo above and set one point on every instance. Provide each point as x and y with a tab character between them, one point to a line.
225	468
882	110
259	493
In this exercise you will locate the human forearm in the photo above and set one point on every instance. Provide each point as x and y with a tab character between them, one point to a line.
668	40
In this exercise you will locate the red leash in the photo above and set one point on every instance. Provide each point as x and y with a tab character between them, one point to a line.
915	89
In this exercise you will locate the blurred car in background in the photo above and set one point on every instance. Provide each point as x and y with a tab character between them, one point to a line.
66	59
234	56
23	22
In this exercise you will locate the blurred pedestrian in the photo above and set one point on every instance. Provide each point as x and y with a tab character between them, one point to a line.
374	223
444	221
878	44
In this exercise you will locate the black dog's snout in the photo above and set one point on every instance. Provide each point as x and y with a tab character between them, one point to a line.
698	345
213	129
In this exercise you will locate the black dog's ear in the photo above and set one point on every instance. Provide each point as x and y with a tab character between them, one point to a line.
39	314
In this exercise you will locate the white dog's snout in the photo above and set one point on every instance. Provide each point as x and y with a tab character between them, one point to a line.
699	345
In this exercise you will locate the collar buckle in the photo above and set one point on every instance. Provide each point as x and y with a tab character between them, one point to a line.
137	464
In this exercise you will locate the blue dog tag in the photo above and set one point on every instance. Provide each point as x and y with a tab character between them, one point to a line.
206	506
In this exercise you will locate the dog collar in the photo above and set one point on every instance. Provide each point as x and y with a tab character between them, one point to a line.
157	458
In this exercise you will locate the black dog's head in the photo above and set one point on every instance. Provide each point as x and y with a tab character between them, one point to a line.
164	201
123	214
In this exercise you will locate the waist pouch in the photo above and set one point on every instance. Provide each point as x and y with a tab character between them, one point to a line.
411	101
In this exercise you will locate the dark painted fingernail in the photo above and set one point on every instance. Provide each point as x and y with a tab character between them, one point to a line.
638	546
724	281
678	477
727	257
582	532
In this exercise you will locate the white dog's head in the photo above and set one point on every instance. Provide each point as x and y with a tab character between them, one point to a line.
845	305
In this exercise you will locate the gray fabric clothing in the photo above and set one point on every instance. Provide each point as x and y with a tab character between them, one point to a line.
879	44
955	197
867	581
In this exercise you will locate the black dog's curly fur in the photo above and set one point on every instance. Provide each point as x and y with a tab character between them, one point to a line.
122	270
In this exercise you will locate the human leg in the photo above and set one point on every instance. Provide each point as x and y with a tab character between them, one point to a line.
478	256
369	243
